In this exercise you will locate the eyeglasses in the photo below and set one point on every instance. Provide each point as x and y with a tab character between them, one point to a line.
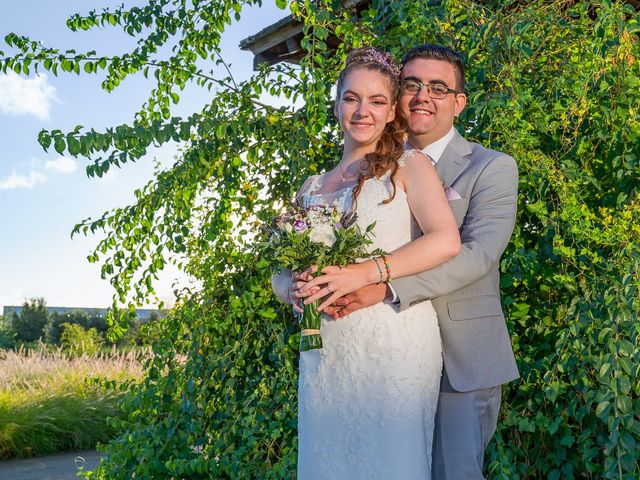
435	90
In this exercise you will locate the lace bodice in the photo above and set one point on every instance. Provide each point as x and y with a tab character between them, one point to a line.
394	223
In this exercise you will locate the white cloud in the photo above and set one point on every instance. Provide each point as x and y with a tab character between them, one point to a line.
22	96
16	180
61	165
37	172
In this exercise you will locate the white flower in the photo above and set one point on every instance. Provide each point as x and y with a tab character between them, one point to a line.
322	233
321	226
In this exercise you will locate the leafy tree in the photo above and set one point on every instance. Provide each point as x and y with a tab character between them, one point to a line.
29	324
53	329
77	340
7	335
138	332
554	83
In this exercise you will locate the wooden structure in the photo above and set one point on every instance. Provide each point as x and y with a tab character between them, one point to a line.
276	43
280	42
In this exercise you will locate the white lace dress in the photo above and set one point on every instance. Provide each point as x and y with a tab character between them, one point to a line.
367	399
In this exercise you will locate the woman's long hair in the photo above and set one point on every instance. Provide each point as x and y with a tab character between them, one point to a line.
390	146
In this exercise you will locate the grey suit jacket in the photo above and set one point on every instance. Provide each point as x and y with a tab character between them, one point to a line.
465	291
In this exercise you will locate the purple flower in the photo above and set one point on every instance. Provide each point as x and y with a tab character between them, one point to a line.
300	226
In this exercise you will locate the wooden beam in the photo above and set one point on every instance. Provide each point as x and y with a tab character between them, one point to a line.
273	35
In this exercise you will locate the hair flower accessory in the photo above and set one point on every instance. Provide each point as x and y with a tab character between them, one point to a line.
373	55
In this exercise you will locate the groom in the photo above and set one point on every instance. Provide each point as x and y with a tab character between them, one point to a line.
481	186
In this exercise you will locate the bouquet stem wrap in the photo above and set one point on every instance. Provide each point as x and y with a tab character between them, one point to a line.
310	327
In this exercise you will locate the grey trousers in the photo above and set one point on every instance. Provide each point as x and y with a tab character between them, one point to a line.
465	422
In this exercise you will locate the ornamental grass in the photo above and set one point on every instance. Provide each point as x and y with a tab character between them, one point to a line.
52	402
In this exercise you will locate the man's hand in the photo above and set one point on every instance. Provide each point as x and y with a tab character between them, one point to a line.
361	298
334	282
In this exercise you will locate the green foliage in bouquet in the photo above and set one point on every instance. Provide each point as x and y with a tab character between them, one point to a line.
317	235
553	83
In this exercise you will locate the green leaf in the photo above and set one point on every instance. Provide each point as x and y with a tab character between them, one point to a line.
603	409
59	145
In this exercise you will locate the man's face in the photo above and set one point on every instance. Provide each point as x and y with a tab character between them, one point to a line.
430	119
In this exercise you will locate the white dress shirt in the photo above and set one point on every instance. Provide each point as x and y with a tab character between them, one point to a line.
435	149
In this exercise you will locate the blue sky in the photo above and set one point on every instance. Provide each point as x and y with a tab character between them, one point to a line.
43	195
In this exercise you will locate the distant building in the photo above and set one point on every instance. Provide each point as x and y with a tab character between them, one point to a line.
142	314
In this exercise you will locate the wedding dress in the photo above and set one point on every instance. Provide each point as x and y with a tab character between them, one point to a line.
367	399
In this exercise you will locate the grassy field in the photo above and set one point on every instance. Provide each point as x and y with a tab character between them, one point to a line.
50	402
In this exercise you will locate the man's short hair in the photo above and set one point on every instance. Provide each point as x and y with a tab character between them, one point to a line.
438	52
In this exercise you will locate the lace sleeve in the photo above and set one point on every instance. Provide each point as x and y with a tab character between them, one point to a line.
306	186
413	153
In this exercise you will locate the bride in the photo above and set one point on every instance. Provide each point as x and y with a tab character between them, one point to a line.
367	399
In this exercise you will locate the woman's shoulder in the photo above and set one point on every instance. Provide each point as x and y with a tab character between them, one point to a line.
308	185
412	156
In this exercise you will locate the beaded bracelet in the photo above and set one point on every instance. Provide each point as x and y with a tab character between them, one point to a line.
387	266
375	260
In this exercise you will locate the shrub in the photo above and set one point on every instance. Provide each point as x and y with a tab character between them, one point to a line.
76	340
53	329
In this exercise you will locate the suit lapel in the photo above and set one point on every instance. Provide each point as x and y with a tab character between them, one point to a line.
454	159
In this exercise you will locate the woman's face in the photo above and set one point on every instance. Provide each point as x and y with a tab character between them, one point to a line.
364	106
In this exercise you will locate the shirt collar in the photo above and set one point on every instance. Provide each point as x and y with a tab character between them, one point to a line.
435	149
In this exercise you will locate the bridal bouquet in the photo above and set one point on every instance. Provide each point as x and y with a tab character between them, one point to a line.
317	235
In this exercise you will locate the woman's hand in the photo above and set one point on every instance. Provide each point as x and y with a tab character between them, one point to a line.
336	282
297	282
